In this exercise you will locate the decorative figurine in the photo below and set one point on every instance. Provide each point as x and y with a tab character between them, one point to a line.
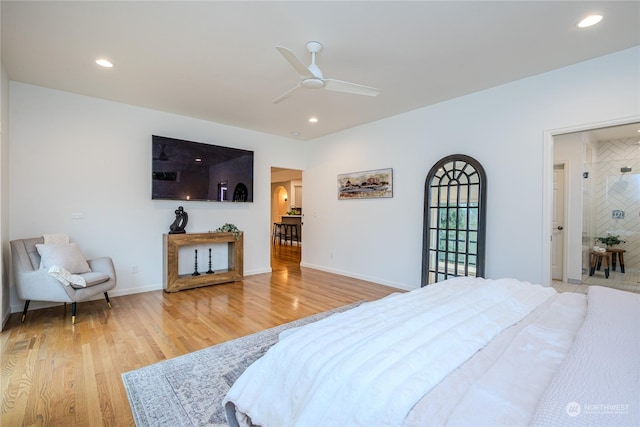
180	222
210	271
195	266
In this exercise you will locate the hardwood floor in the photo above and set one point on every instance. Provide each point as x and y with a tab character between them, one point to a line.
55	373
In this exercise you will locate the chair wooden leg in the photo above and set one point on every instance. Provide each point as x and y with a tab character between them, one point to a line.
24	312
106	296
73	313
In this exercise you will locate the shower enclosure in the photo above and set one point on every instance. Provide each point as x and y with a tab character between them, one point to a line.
612	207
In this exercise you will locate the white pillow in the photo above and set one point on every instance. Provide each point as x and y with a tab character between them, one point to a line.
67	256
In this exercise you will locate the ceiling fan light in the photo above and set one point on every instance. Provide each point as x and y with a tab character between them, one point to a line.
590	20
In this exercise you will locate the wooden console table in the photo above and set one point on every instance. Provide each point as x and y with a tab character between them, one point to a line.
171	244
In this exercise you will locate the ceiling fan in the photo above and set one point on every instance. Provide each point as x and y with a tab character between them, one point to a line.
311	77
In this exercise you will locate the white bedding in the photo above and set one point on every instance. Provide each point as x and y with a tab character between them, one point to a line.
502	384
372	364
569	359
598	383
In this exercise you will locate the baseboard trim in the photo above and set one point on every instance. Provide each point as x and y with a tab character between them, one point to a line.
397	285
5	320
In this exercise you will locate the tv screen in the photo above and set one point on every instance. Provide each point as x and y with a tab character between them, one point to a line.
187	170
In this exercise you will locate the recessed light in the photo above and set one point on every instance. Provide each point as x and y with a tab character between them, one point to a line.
104	63
198	159
590	20
313	120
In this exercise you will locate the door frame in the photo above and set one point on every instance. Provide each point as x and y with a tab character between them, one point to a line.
547	182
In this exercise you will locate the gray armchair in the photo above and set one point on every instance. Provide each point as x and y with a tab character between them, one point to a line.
34	283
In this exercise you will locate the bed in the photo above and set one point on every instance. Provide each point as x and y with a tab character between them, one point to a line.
466	351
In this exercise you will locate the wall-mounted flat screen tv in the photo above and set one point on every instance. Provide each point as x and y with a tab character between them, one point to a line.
187	170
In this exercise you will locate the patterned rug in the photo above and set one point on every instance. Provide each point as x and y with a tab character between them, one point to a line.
188	390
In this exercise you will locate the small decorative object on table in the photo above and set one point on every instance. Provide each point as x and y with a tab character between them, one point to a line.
178	225
229	228
210	271
195	265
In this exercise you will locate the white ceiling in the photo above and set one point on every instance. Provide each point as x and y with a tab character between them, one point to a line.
216	60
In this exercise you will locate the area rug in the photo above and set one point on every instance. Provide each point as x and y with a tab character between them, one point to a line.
188	390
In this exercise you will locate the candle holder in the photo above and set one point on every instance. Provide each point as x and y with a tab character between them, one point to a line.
210	271
195	265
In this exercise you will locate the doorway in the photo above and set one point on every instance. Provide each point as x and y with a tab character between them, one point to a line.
286	207
602	199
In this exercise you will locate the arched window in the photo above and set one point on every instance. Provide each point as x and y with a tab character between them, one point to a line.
240	193
454	220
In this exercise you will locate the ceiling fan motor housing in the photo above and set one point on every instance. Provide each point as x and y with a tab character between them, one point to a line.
313	83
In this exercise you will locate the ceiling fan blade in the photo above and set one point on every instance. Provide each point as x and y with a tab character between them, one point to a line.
299	66
287	93
346	87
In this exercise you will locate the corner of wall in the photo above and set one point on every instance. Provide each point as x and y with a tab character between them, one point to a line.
4	197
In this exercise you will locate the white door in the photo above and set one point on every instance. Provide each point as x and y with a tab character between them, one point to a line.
557	224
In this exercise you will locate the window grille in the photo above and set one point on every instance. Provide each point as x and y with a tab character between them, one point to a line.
454	220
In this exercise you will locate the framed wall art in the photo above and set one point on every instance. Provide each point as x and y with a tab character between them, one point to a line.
366	185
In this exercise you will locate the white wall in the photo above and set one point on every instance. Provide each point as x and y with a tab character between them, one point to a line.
75	154
503	128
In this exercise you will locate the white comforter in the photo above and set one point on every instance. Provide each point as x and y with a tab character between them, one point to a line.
372	364
598	383
501	384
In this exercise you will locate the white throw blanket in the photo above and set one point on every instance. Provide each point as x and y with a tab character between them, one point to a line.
370	365
502	384
598	383
66	278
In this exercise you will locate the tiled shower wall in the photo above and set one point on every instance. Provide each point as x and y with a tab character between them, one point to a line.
612	197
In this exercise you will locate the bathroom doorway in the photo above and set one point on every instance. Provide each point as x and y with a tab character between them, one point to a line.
603	200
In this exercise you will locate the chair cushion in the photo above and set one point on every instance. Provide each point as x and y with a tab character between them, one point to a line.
92	278
67	256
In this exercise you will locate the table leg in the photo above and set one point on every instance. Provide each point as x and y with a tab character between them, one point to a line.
594	261
613	261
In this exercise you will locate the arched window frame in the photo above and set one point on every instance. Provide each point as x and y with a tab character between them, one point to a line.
446	178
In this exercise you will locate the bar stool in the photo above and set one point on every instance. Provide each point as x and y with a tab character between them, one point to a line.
293	233
290	232
620	255
276	234
599	259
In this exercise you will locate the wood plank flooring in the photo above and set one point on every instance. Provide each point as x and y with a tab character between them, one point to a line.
54	373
